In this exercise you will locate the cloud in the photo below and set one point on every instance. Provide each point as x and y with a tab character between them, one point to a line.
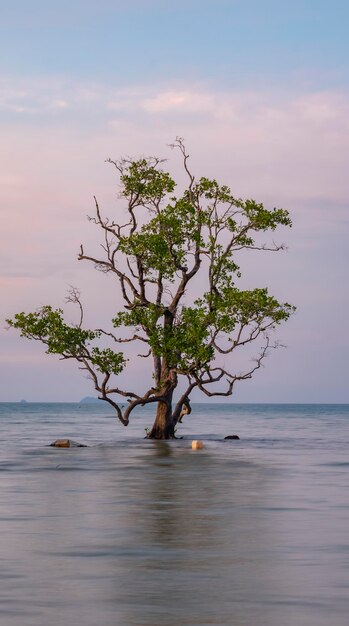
45	96
188	101
281	145
287	149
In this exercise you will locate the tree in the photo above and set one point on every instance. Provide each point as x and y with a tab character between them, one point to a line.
165	245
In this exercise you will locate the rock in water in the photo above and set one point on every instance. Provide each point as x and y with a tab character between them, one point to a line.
232	437
67	443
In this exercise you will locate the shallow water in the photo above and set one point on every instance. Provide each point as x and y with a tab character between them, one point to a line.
132	532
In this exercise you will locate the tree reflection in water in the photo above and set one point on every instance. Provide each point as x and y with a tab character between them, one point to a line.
200	548
142	535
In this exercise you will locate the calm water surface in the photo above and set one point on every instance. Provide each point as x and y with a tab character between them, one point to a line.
129	532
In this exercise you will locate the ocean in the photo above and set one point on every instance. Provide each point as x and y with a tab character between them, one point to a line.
132	532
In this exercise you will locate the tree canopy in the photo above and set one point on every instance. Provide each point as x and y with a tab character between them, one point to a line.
175	258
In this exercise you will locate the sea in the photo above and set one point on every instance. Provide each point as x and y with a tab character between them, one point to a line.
133	532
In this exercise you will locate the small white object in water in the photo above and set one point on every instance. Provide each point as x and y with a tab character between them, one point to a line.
196	444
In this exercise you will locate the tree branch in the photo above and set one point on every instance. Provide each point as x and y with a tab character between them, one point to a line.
120	340
74	297
231	379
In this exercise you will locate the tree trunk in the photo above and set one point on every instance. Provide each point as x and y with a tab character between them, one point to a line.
163	427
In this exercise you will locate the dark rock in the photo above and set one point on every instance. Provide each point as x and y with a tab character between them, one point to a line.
232	437
67	443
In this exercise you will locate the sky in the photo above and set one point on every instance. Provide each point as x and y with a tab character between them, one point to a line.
260	92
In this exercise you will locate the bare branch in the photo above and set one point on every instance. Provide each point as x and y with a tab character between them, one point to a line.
108	266
74	297
104	223
179	144
147	399
254	333
121	340
145	356
101	388
216	374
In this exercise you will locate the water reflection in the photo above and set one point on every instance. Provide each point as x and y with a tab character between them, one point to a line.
135	536
189	563
152	533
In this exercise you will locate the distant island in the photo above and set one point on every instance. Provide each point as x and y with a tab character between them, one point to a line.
88	400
